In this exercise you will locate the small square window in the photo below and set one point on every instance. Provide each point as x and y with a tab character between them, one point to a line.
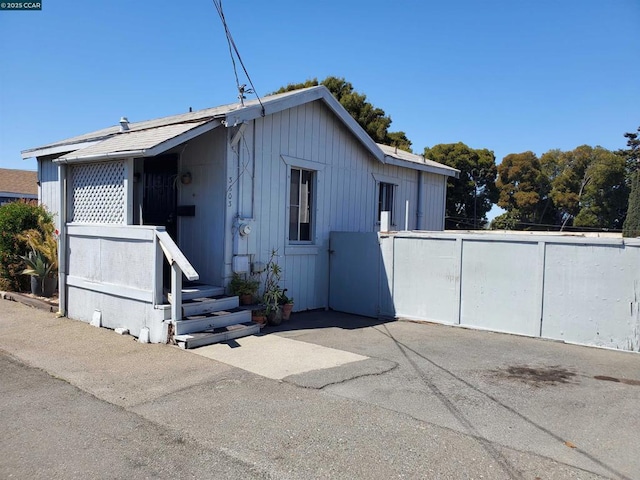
385	200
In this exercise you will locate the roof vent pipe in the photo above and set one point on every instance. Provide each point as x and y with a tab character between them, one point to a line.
124	124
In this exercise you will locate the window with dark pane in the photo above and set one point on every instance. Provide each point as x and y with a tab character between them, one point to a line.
300	205
385	200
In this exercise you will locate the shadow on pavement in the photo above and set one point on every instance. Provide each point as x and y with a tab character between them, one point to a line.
317	319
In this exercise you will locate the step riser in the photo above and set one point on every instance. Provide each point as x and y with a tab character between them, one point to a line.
183	327
199	292
220	337
209	306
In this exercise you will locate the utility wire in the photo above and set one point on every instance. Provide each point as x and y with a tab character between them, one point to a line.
234	48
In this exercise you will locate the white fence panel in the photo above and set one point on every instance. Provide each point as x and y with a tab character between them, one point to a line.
564	287
426	278
500	286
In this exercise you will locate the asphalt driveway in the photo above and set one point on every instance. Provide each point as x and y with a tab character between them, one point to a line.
407	400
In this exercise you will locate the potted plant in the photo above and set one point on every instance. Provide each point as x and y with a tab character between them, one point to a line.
43	282
272	293
244	288
42	261
286	304
259	316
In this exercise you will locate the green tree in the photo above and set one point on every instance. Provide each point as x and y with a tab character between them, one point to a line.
631	226
587	186
470	197
372	119
524	189
604	192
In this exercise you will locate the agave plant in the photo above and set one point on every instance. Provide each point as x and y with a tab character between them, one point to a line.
37	264
44	249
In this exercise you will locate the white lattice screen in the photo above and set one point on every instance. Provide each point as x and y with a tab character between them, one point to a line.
98	194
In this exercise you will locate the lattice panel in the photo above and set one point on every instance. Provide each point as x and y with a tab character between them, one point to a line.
98	194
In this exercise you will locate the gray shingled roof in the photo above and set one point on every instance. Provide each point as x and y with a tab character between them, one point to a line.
134	142
402	155
147	138
200	115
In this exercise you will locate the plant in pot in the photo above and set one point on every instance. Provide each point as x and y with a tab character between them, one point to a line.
286	304
259	316
42	261
272	294
43	282
244	288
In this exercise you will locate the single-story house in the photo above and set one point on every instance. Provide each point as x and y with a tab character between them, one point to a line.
214	192
18	185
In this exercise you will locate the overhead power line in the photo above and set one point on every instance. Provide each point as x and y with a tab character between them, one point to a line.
233	48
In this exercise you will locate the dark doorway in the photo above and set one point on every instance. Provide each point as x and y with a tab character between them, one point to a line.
160	197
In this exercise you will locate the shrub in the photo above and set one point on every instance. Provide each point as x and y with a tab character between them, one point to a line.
15	218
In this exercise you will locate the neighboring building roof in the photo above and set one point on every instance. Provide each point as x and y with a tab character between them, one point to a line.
18	183
396	156
152	137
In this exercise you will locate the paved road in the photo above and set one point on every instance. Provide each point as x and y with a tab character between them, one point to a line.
439	403
51	430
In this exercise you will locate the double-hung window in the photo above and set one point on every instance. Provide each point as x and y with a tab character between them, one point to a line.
385	200
301	207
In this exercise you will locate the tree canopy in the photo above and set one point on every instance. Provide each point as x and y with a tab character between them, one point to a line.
582	188
470	197
631	227
524	188
372	119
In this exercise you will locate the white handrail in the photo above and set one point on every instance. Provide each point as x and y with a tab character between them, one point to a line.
175	255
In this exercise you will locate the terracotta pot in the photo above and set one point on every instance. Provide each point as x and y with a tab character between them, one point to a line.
246	299
286	310
260	319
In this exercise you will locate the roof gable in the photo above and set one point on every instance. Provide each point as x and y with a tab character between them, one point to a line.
152	137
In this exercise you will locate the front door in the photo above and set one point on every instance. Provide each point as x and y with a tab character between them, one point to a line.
159	203
160	199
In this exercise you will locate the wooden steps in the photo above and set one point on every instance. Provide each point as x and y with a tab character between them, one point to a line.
217	335
210	317
198	290
218	319
199	306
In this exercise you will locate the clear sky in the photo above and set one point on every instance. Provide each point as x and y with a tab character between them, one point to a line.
507	75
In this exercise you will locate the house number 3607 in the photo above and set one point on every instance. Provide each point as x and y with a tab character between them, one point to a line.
230	195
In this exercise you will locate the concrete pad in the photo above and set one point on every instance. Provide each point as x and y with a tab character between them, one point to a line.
276	357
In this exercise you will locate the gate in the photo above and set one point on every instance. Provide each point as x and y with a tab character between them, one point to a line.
354	273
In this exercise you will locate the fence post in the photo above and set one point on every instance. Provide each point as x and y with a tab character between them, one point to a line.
542	251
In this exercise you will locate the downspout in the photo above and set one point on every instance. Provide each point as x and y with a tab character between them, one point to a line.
62	241
419	212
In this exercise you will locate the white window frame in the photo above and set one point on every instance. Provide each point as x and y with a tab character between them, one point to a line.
300	246
395	182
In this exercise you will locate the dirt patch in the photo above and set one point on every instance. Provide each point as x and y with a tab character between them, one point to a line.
537	376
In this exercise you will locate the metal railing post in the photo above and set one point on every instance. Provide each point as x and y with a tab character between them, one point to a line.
176	292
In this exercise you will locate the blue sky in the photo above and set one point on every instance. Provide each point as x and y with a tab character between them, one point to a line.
507	75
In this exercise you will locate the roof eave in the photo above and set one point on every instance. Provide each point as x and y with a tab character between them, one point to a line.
422	167
141	153
71	147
